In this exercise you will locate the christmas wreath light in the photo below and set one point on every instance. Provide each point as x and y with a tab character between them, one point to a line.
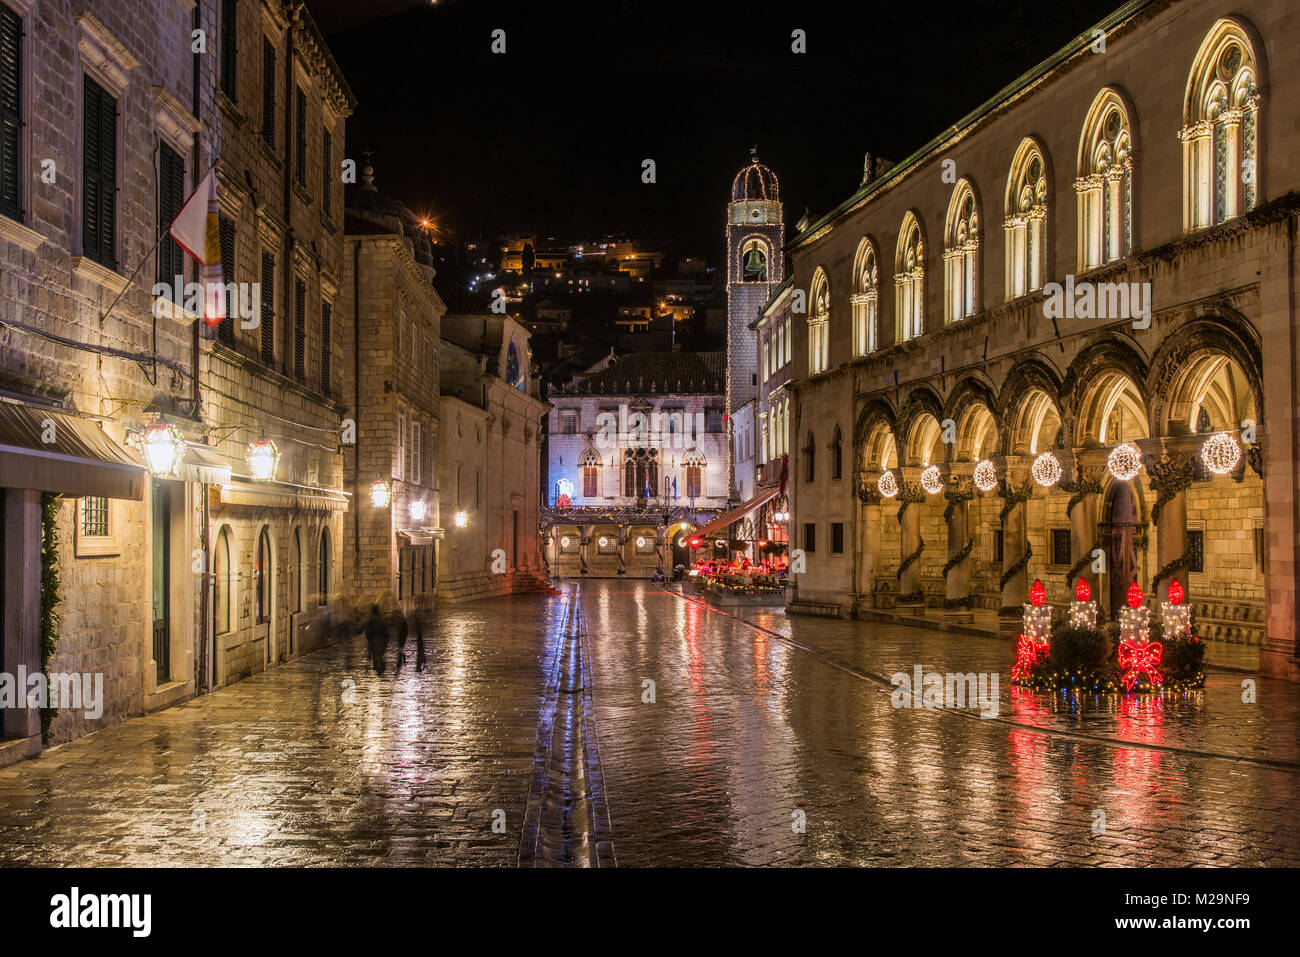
985	476
1220	453
932	480
1046	470
1125	461
888	485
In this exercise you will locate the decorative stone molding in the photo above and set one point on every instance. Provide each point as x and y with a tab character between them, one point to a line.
104	53
175	123
85	268
15	232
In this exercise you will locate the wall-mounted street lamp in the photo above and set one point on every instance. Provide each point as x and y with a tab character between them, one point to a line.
263	459
418	510
163	448
461	518
380	494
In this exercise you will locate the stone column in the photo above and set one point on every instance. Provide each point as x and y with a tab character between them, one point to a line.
957	585
1170	475
868	542
1083	527
661	538
1015	539
622	544
584	533
911	499
22	607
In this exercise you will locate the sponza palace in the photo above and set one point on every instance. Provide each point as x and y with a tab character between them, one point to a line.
1160	159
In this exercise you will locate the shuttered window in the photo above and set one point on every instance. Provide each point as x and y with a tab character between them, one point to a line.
229	61
414	450
268	92
300	330
226	331
268	309
326	344
98	174
11	74
171	197
327	148
300	136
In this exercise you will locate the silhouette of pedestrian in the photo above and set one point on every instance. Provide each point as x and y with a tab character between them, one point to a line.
419	642
402	632
376	638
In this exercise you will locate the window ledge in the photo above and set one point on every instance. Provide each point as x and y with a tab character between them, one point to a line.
83	267
15	232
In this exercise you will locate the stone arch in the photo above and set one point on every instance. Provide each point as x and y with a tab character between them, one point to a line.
919	428
1021	407
873	437
1189	358
1109	374
1201	78
972	406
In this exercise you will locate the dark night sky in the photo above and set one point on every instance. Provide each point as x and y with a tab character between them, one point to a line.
553	133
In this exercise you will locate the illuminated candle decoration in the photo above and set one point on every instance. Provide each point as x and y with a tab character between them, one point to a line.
1083	611
418	510
1174	615
1134	596
1032	643
263	457
461	519
1046	470
1220	453
1125	461
1037	594
932	480
1138	657
985	476
888	485
380	494
163	448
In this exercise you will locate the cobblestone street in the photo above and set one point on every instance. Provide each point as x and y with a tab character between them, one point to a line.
756	724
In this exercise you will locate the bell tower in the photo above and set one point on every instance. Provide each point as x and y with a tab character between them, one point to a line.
755	268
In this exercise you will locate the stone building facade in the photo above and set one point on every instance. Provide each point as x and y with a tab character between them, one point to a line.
391	349
638	445
1093	259
116	119
489	466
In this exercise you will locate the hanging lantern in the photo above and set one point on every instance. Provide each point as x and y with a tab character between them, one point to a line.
461	519
163	448
1082	590
985	476
1046	470
888	485
1134	597
1176	593
1125	461
932	480
380	494
263	458
1037	594
1220	453
418	510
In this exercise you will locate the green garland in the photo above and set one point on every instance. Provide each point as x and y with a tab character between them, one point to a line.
1082	563
1169	481
50	598
910	560
1178	564
959	557
966	602
1021	563
908	495
911	598
1013	498
953	498
1081	489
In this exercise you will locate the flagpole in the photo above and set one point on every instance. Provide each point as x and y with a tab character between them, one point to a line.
130	279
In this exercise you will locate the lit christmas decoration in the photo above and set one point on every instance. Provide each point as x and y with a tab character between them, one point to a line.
461	519
418	510
564	542
602	541
1032	643
888	485
1220	453
1138	657
163	448
1174	615
263	457
1046	470
640	542
563	502
565	487
1125	461
380	494
1083	611
985	476
931	480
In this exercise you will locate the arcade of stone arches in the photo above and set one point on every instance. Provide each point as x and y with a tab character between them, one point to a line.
958	547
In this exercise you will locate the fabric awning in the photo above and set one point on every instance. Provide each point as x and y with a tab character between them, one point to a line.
203	463
283	495
736	514
80	460
416	536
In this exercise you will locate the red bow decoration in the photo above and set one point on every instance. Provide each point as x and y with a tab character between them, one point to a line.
1027	652
1139	660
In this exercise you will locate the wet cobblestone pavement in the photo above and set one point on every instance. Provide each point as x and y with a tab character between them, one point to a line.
748	734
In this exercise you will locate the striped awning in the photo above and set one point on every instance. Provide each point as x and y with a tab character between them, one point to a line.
59	452
727	519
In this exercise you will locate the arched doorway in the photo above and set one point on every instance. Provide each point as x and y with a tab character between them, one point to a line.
1121	538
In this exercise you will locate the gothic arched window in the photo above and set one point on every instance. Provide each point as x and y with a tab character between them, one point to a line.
693	463
909	280
1221	114
1105	183
819	316
589	463
1026	220
961	254
865	298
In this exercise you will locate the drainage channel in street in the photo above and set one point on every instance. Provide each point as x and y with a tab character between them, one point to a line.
566	822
